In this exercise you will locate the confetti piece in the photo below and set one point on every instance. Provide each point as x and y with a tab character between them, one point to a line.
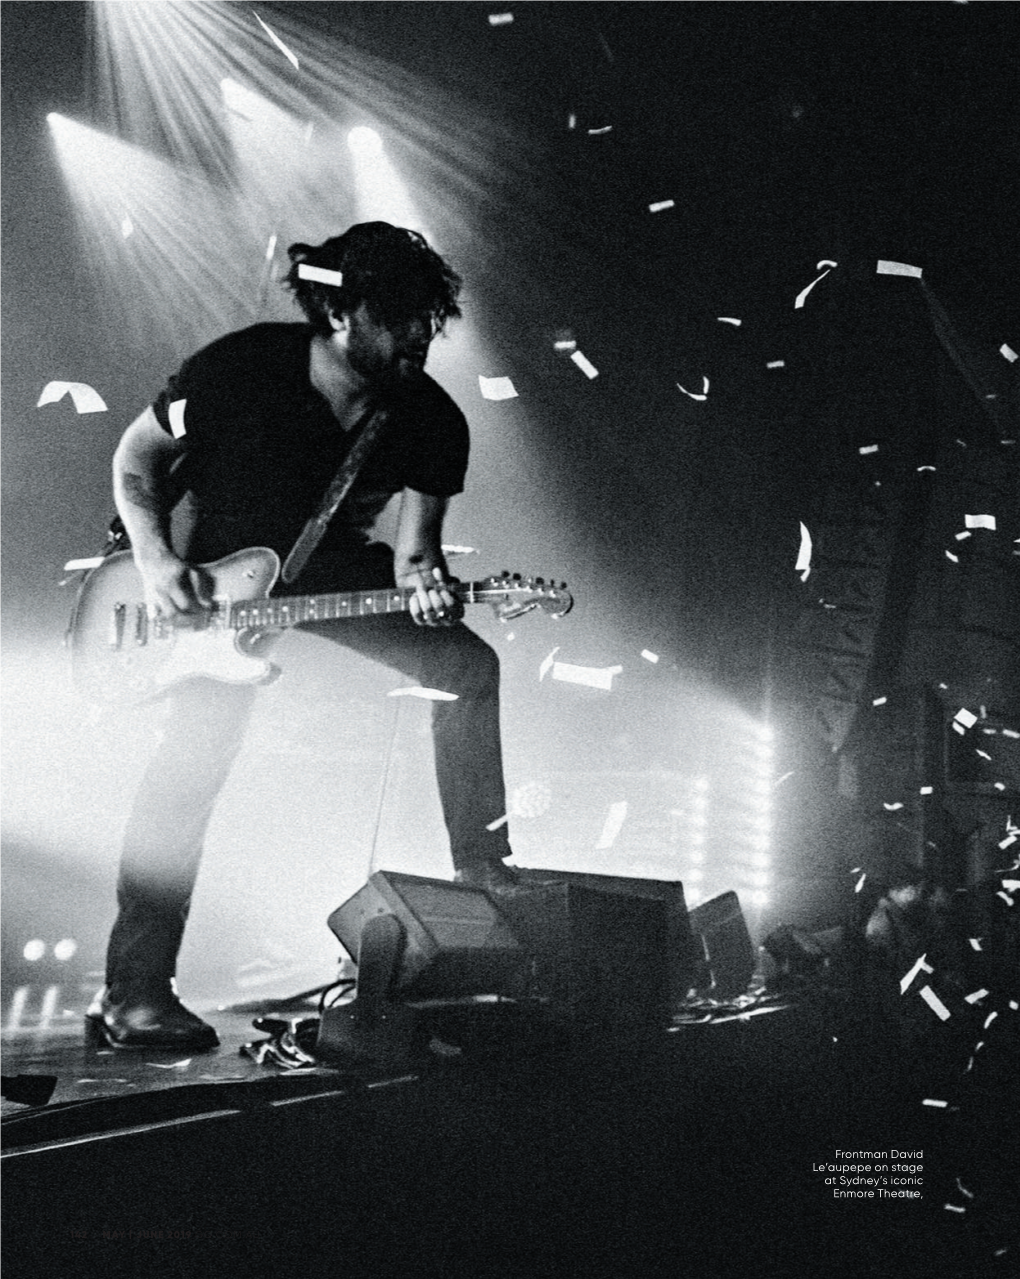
1011	885
614	821
776	364
975	943
1006	898
279	43
127	227
606	128
75	566
825	262
500	19
271	248
932	1101
976	995
953	1208
926	468
799	300
660	205
892	808
459	550
920	966
1008	352
546	666
979	521
784	777
428	694
565	344
956	560
86	400
960	537
934	1003
989	1019
175	412
500	821
860	883
571	121
965	717
897	268
693	394
173	1065
1014	1005
927	790
584	364
879	701
803	565
963	1189
593	676
649	657
320	274
496	388
868	448
729	319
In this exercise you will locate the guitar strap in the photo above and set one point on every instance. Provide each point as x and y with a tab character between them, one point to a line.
311	534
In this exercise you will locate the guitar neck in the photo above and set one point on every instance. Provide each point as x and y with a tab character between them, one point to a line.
292	610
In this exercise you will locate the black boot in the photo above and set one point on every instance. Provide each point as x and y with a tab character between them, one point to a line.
146	1014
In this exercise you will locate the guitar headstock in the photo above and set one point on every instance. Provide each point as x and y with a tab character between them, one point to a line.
512	595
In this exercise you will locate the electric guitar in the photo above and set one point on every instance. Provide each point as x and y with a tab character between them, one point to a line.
121	655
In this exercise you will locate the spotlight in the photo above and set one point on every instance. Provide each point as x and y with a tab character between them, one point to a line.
364	141
65	949
34	950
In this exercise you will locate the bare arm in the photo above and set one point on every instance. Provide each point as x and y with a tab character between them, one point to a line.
418	559
141	469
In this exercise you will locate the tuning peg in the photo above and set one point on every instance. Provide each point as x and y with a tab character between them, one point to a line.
539	581
517	577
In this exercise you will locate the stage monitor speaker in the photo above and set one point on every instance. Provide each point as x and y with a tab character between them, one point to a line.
728	953
600	957
456	942
682	952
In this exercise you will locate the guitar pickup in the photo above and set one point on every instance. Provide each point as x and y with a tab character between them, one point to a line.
117	618
141	625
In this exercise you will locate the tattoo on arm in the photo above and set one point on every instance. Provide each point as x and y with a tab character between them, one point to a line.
140	494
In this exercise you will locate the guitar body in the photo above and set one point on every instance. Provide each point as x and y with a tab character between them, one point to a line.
121	657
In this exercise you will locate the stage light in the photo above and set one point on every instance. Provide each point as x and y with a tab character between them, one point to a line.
34	950
364	141
758	897
65	949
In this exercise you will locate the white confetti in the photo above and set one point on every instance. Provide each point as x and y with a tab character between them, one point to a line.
496	388
799	300
892	808
127	227
953	1208
271	248
320	274
1011	885
1006	898
963	1189
584	364
776	364
565	344
279	43
962	537
695	395
956	560
173	1065
175	412
593	676
920	966
76	566
500	821
1008	352
927	790
729	319
934	1003
897	268
965	717
976	995
879	701
614	821
860	883
979	521
649	657
500	19
926	468
660	205
86	400
803	565
428	694
975	943
868	448
933	1101
989	1019
606	128
546	666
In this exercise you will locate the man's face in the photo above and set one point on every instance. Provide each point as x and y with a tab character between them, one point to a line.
386	354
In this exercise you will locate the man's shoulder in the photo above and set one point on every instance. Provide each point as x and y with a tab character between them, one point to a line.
427	399
259	342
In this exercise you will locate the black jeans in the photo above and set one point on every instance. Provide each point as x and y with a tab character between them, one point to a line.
204	732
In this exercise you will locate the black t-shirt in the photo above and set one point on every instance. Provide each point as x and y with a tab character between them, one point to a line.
262	445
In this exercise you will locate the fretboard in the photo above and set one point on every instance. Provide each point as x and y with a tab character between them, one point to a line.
294	609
